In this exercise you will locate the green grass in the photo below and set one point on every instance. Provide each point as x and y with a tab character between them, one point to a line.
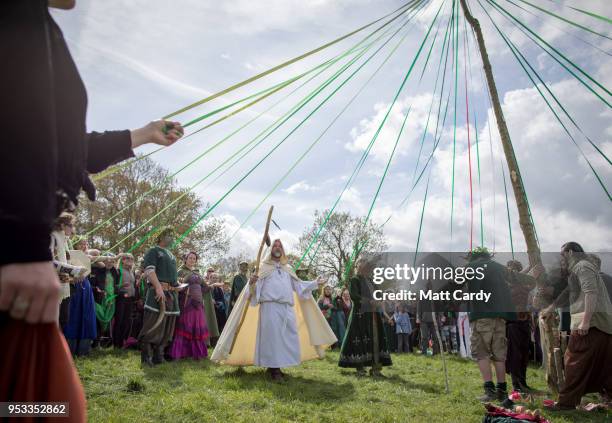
118	390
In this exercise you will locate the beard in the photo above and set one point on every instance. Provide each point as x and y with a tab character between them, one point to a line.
276	254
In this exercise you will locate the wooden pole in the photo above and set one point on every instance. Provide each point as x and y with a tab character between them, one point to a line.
533	250
439	337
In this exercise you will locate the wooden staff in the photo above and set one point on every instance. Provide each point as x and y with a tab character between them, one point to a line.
559	367
264	241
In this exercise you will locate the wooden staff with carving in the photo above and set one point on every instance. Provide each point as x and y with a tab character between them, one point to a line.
264	241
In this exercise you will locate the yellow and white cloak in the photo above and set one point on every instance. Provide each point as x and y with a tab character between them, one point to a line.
238	342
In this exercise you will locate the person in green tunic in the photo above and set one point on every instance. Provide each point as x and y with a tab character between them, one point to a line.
161	300
365	342
239	282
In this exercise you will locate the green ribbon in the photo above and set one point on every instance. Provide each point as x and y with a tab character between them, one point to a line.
265	157
321	68
456	51
399	11
522	60
549	13
349	103
519	24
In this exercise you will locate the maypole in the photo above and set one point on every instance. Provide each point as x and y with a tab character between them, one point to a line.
525	220
533	250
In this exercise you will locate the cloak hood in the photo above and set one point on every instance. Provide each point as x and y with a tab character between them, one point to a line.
269	264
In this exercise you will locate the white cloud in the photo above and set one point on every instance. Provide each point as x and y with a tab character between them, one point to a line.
300	186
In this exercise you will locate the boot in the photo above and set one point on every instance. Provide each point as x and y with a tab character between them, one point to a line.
523	382
501	391
376	371
275	374
516	383
158	355
489	392
145	355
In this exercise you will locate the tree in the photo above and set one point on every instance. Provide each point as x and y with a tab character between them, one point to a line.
227	267
342	235
132	197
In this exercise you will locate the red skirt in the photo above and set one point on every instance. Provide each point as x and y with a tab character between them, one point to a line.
36	366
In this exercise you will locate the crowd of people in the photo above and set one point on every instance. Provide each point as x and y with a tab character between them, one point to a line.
532	313
173	312
105	298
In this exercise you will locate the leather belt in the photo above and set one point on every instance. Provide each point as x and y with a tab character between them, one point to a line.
167	287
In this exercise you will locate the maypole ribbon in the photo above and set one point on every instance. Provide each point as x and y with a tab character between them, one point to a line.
301	157
346	186
284	64
321	68
456	52
185	233
397	94
507	209
116	168
516	54
266	131
467	123
585	12
469	57
577	25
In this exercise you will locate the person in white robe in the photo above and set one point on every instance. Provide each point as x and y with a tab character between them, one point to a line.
288	324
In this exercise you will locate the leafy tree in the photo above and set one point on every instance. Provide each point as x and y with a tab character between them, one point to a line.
342	235
127	189
227	267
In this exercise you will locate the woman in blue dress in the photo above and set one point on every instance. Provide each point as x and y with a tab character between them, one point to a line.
80	331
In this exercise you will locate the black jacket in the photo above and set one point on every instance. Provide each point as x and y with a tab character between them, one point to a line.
45	152
97	279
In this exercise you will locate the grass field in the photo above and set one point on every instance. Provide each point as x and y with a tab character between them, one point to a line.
118	390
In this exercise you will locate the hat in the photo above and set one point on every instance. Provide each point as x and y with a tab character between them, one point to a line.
477	253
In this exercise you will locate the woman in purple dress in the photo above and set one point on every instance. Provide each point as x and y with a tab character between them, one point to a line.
191	332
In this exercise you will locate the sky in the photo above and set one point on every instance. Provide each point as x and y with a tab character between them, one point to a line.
141	60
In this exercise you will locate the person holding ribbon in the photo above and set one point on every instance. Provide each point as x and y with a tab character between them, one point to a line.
47	158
